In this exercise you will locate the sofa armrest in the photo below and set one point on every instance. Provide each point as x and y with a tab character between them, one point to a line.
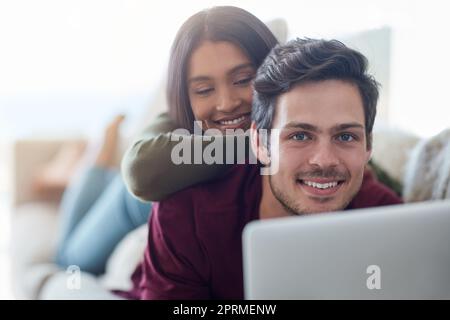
29	156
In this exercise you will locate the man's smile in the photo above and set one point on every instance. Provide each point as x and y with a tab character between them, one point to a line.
320	187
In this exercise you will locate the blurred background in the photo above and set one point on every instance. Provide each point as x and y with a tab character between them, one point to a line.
67	67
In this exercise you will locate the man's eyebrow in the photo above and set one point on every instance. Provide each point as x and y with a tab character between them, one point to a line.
229	72
301	125
345	126
313	128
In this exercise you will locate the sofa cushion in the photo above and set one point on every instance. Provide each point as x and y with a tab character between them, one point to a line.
61	287
391	149
33	243
427	173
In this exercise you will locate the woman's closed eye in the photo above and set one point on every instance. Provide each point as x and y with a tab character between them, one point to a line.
203	91
244	81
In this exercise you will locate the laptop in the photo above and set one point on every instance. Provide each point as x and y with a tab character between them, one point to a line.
391	252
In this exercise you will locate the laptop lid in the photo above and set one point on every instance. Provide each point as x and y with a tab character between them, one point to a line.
392	252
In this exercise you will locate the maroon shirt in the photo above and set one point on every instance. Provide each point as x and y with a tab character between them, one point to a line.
194	248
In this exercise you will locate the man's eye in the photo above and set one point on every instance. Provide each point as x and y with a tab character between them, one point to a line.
300	136
345	137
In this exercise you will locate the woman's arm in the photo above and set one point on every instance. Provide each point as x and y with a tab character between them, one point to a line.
149	170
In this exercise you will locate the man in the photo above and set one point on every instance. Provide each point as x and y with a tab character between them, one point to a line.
322	103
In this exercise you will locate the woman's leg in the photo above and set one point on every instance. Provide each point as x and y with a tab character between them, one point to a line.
83	192
97	211
112	216
80	196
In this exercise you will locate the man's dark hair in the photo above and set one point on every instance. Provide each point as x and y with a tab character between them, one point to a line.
309	60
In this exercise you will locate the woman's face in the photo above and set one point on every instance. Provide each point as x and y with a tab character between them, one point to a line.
220	77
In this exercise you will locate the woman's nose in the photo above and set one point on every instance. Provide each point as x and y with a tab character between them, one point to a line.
228	101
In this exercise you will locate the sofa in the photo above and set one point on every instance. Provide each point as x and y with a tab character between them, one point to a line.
401	155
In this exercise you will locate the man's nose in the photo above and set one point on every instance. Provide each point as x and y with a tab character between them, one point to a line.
324	155
228	101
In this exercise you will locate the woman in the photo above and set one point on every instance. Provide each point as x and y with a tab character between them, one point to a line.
218	99
213	60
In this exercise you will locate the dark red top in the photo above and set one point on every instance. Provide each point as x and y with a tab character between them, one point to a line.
194	248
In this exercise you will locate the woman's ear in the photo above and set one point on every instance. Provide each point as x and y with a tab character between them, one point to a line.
259	142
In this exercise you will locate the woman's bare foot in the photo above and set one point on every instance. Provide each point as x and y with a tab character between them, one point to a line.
108	150
52	179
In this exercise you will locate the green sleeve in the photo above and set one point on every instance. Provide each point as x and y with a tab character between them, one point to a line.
148	169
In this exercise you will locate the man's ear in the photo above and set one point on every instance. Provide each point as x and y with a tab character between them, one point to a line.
259	143
369	151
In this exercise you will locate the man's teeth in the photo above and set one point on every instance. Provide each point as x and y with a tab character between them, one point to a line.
235	121
321	185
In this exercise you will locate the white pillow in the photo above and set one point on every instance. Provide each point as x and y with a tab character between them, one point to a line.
124	260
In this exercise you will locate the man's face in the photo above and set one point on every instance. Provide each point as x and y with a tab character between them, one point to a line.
322	147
